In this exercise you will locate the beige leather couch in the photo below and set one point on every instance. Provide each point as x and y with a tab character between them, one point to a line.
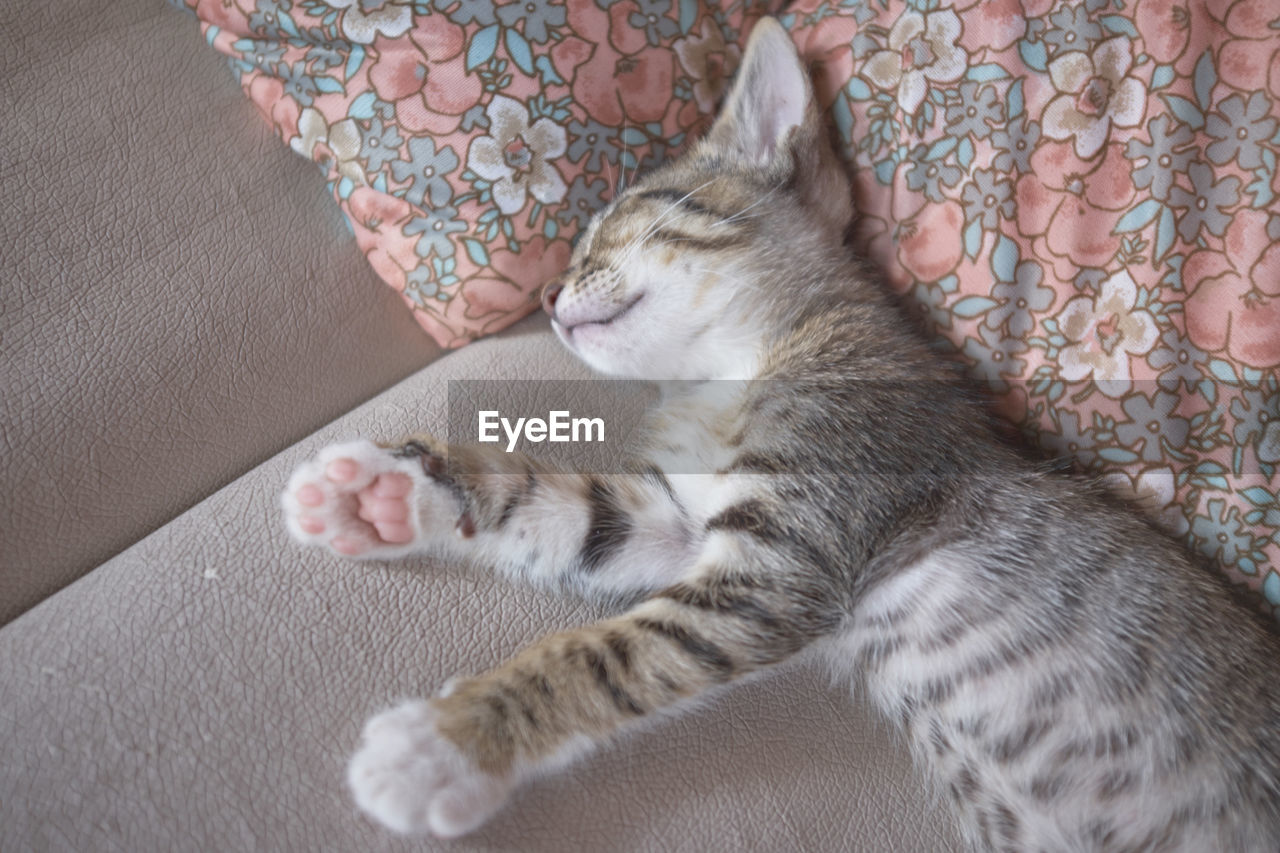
184	317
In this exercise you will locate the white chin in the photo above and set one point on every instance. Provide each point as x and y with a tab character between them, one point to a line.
593	343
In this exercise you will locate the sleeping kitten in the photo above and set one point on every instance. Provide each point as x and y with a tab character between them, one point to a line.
1066	671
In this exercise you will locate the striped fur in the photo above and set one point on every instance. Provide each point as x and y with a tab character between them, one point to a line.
1063	670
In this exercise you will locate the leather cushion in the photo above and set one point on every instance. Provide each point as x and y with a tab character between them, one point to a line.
179	302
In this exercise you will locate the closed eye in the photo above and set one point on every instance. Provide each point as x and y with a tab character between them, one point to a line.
688	204
717	242
680	199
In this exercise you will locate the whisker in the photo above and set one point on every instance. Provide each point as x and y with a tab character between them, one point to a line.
721	274
622	164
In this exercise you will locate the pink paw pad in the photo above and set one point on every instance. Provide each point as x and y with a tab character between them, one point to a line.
342	470
385	505
310	495
311	524
351	507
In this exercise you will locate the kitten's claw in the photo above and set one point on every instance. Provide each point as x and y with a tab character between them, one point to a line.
357	499
410	778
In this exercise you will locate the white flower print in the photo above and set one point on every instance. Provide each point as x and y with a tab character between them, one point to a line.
1153	492
709	61
1103	332
365	19
1093	93
516	156
922	49
342	139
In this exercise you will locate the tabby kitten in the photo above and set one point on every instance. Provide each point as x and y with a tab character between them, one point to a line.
1065	670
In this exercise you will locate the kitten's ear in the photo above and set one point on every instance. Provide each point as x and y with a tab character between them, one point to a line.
771	97
771	119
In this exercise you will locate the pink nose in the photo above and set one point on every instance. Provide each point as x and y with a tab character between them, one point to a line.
549	295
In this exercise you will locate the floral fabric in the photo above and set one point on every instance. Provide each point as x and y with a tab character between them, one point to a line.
1078	197
1080	200
468	141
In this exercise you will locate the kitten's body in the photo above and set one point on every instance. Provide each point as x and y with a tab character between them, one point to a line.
1070	676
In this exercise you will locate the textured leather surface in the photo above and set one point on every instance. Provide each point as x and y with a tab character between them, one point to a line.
202	691
179	297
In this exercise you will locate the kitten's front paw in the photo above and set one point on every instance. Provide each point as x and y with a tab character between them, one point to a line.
361	500
411	779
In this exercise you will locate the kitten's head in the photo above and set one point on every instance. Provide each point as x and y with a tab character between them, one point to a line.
686	273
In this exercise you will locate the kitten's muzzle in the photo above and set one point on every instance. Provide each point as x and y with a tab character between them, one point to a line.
584	312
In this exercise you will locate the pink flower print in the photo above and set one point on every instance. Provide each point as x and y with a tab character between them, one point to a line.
624	37
709	62
1168	27
1075	204
615	89
1250	18
377	219
425	77
516	156
267	93
1250	65
523	273
1234	301
828	48
1103	331
995	24
922	49
1093	92
365	20
1030	8
223	14
377	211
1250	60
929	244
